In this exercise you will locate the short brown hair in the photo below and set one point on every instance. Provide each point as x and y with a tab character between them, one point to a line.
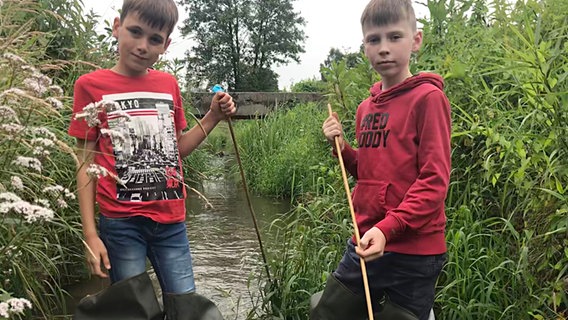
382	12
157	13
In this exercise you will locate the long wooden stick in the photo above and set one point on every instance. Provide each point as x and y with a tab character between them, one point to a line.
253	215
352	210
90	250
219	88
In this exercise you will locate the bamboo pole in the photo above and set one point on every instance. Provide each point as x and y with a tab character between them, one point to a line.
354	220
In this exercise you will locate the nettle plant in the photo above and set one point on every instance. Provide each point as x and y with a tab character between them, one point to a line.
31	201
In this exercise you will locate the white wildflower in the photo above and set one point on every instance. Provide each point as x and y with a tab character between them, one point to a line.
43	79
31	212
62	204
43	202
56	104
14	91
54	190
69	194
28	162
35	86
56	90
30	69
40	152
12	129
8	113
91	111
4	307
18	305
37	83
59	190
17	183
96	171
43	131
9	197
115	135
91	114
12	57
11	251
40	145
42	142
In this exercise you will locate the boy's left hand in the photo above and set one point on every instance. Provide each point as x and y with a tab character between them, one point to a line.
372	244
222	105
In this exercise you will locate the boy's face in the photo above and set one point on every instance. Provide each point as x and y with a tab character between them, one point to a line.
139	45
389	48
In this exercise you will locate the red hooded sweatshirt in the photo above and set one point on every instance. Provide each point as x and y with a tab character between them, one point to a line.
402	164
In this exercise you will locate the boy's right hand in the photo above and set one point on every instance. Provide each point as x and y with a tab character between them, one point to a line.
97	252
222	105
331	129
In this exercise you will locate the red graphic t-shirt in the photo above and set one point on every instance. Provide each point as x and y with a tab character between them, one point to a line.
136	143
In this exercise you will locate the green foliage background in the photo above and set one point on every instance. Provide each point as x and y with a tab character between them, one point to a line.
238	42
505	66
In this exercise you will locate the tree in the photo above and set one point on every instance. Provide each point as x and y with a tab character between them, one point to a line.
352	59
260	79
309	85
238	41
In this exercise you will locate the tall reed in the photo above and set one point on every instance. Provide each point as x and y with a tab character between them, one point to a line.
285	154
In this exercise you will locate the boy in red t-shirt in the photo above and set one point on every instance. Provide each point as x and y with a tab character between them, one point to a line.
129	122
402	167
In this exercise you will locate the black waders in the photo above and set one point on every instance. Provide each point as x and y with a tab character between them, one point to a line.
190	306
337	302
135	299
129	299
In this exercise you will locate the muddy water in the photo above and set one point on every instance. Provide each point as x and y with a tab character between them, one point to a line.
226	257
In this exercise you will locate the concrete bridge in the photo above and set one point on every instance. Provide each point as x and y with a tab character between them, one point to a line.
252	105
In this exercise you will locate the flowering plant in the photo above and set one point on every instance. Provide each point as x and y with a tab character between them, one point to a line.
32	199
12	306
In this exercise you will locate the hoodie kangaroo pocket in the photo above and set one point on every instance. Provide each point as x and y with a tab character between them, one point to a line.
369	198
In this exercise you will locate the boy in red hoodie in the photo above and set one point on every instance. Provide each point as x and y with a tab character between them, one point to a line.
402	167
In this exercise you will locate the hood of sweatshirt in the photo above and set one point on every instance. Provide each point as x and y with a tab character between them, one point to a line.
378	95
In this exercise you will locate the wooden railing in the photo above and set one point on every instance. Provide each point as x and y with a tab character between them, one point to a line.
252	105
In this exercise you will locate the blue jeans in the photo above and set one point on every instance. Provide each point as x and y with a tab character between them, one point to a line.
408	280
130	240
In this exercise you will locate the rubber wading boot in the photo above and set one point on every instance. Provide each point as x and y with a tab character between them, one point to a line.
190	306
392	311
129	299
337	302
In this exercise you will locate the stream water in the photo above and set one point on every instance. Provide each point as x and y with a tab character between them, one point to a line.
227	262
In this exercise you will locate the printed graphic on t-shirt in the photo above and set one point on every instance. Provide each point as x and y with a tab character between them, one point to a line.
374	131
145	146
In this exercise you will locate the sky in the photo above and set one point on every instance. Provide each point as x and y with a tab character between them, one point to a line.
329	24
